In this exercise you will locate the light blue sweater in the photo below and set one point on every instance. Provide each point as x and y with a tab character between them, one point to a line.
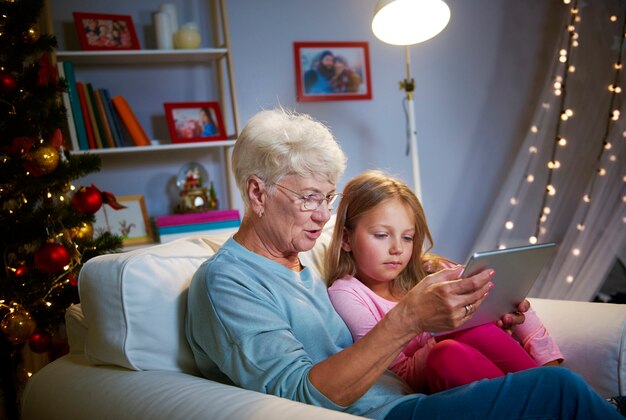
265	326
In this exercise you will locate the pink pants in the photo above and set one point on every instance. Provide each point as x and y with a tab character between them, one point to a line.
483	352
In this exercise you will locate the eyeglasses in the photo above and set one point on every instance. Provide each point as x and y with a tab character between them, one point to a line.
315	200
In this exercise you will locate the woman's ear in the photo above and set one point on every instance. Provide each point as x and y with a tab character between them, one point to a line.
257	195
345	241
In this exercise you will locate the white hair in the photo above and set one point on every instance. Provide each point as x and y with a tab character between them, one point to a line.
275	143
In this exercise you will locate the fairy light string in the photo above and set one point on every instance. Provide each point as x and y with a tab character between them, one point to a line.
612	118
528	178
534	148
564	115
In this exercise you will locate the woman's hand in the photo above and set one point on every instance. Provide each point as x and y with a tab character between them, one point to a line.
442	301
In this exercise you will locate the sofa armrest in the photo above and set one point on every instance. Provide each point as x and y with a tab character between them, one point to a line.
591	337
76	327
72	388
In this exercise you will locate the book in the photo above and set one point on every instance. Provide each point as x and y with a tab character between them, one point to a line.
111	115
91	140
95	117
212	222
71	125
77	113
227	232
169	233
139	136
197	218
198	227
108	134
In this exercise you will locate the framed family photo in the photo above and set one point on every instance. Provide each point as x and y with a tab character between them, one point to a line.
332	71
131	223
99	31
194	121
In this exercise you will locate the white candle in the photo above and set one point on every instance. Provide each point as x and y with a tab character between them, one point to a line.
163	30
170	9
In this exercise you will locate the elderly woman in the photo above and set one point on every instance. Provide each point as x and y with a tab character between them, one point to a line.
260	317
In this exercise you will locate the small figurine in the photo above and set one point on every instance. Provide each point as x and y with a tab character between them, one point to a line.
194	197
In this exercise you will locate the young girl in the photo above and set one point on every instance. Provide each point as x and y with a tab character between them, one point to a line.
375	257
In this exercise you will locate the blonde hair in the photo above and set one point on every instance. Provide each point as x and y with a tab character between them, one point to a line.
276	143
360	195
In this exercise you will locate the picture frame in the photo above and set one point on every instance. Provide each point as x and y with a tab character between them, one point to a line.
346	77
102	31
194	121
131	223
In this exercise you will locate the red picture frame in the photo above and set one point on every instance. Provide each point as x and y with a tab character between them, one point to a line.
332	71
190	122
101	31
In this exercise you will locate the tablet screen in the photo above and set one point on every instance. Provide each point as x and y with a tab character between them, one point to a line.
516	269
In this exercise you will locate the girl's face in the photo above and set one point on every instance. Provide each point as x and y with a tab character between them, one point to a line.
382	245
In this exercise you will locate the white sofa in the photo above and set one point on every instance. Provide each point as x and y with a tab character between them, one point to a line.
129	358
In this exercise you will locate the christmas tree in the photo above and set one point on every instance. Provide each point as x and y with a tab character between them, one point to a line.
46	222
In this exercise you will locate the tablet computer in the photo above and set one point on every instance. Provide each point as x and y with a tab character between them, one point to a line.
516	269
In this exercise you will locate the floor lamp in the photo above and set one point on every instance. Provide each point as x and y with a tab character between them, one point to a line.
408	22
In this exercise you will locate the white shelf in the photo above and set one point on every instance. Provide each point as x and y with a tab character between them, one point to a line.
200	55
158	148
217	73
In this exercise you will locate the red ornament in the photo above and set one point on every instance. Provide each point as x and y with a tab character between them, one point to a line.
7	82
73	280
87	200
56	138
47	72
40	342
51	258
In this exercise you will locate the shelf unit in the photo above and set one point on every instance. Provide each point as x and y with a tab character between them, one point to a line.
216	59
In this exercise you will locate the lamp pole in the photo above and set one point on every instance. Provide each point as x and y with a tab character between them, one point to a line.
408	84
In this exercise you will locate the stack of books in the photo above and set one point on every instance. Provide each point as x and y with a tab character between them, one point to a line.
213	222
95	119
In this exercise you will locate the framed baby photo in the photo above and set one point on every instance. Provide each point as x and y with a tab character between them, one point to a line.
194	121
99	31
131	223
332	71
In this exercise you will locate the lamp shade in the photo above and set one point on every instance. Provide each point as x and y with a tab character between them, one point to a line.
406	22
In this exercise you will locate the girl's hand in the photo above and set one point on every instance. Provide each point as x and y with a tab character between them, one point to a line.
509	321
433	263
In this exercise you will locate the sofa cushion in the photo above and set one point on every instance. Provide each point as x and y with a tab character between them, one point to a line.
134	304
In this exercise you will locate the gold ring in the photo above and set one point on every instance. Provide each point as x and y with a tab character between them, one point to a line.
468	309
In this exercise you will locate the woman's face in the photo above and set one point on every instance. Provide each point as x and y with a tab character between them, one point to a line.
292	229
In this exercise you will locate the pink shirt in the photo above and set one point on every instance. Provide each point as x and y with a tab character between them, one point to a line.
361	309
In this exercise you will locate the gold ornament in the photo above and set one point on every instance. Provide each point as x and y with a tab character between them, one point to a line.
46	158
84	231
32	34
17	326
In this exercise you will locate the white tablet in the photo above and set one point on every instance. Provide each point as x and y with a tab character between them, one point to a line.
516	269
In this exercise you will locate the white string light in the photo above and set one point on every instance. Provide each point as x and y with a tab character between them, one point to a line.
565	114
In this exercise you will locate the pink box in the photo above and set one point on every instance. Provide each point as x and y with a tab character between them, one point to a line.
196	218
